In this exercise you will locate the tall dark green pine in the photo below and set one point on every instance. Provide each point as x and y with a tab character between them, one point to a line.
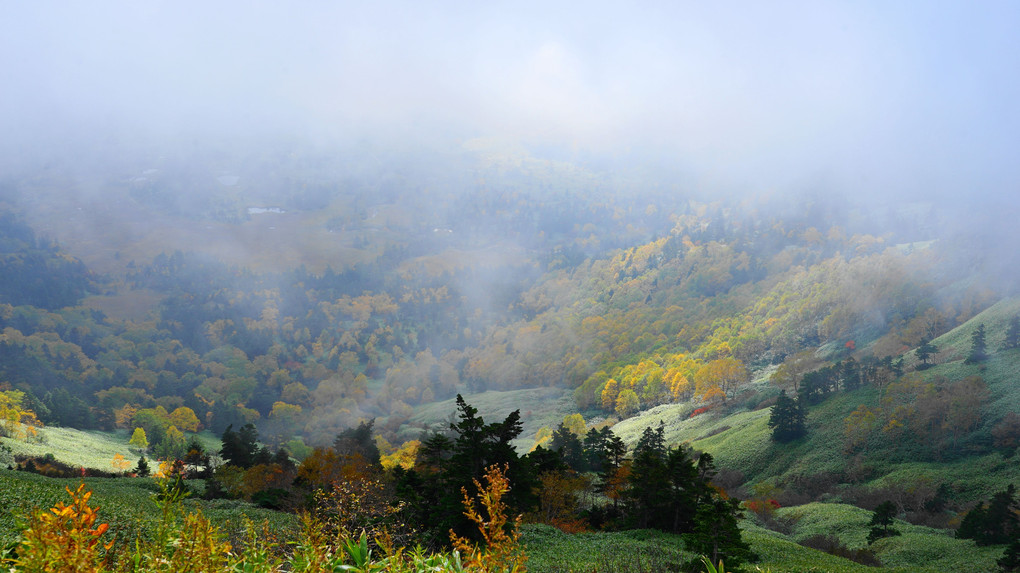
716	534
881	522
994	522
616	450
849	374
787	420
924	352
426	490
240	448
687	489
359	441
650	490
142	469
569	447
476	447
1012	334
973	524
978	347
1002	524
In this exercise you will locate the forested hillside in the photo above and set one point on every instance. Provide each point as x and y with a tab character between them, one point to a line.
815	347
625	307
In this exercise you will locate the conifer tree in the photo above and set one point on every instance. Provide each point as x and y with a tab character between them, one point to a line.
978	348
716	533
1012	334
787	420
994	522
881	522
924	352
568	445
142	469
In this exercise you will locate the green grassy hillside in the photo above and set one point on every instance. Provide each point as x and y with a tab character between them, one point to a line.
86	448
739	438
127	504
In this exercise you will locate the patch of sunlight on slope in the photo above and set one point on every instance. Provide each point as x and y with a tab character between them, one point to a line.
741	440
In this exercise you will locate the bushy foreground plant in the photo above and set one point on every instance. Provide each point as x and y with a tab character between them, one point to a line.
66	539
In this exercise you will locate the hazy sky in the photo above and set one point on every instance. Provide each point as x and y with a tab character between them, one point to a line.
882	96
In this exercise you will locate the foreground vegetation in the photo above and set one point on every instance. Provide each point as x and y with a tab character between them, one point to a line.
71	537
262	538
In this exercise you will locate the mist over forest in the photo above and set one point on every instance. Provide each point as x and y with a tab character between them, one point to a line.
326	223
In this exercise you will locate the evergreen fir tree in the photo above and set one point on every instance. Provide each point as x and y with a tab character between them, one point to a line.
881	522
978	348
849	375
787	419
241	448
359	442
924	352
649	481
1002	524
569	447
1012	334
972	525
994	522
142	469
717	535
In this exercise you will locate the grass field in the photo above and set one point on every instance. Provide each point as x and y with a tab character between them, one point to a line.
127	504
88	448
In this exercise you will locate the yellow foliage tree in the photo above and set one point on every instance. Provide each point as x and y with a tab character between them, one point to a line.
16	421
139	440
575	423
122	416
609	393
404	456
679	386
627	403
725	374
542	437
857	427
119	463
185	419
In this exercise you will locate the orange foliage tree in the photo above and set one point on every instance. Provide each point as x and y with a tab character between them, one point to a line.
65	538
502	550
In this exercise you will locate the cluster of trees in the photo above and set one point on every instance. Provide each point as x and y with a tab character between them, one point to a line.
576	484
657	487
36	272
996	522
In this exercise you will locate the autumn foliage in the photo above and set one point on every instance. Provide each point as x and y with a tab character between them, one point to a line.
65	538
502	550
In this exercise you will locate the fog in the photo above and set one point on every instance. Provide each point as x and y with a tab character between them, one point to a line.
493	168
906	99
